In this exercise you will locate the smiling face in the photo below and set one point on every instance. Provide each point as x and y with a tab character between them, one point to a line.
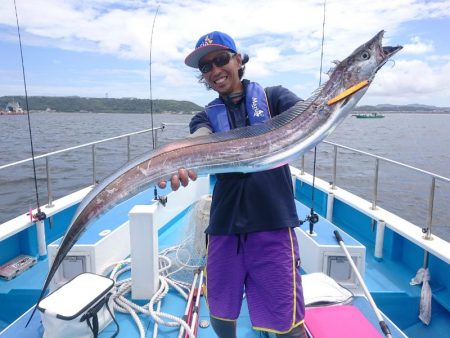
224	79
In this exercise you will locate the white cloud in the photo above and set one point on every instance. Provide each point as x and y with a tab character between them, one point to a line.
439	58
412	81
283	38
417	46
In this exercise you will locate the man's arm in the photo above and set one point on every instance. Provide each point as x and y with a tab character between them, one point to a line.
199	121
199	126
280	99
202	131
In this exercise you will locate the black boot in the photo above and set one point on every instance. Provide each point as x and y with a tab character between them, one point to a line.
296	332
224	328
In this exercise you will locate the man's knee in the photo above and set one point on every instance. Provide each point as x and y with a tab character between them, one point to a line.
224	328
296	332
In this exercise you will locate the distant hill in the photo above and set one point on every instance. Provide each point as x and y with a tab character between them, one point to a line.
133	105
101	105
412	108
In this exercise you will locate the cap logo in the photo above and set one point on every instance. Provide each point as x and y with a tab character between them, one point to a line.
206	41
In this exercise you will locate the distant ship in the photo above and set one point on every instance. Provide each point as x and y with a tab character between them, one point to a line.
369	116
12	108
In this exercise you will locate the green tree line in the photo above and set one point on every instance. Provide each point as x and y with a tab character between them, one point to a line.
100	105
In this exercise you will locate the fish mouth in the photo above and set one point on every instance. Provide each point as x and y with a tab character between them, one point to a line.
384	52
387	52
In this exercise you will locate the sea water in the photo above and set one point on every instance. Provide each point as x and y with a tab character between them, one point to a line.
418	140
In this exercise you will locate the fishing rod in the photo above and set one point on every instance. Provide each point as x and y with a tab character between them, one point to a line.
40	215
381	321
323	39
161	199
150	77
313	217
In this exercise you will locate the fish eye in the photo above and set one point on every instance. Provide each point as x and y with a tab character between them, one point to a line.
365	55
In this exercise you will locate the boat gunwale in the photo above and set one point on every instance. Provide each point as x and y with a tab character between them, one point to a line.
11	227
410	231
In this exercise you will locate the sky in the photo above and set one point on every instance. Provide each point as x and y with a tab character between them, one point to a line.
101	48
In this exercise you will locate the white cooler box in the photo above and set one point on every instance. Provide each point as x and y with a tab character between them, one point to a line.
79	309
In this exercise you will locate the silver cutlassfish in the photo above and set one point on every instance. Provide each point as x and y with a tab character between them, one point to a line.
249	149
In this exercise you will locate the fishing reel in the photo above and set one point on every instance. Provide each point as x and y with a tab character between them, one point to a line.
39	216
161	199
312	218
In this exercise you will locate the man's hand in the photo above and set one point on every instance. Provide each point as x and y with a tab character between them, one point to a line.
183	177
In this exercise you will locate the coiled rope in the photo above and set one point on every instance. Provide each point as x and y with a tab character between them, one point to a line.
166	281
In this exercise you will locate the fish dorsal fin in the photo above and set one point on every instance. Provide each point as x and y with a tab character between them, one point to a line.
315	94
254	130
301	106
335	64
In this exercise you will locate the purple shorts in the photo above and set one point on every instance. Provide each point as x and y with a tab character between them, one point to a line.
265	264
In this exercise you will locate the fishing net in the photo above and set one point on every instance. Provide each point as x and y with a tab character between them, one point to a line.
178	264
188	256
200	221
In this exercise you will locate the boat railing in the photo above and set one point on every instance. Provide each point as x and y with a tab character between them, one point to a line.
377	159
336	147
93	145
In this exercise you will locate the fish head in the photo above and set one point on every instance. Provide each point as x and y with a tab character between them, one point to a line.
364	62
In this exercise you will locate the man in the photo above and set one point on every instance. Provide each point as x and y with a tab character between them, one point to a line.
251	243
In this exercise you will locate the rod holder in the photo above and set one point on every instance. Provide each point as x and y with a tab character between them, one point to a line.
42	246
379	240
330	203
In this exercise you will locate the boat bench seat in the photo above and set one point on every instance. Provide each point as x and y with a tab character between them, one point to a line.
442	296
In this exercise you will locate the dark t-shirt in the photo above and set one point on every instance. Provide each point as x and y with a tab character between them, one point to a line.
257	201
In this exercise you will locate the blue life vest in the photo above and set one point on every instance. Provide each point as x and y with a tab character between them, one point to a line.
255	103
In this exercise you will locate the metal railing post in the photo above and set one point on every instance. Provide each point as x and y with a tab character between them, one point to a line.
430	209
333	184
128	148
94	174
49	184
375	185
156	137
426	257
426	230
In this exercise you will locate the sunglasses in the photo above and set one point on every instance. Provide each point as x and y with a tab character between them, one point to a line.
219	61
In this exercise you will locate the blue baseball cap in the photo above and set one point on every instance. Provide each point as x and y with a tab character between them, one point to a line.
209	43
